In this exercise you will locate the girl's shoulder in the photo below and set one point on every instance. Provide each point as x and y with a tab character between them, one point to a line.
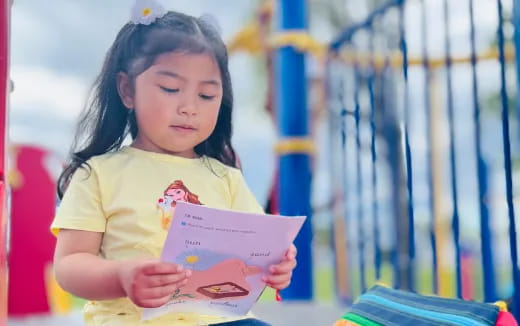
107	157
221	169
111	160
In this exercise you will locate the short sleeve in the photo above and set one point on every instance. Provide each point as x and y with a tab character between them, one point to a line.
241	197
80	208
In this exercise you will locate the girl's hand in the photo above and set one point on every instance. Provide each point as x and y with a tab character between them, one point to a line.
150	284
280	275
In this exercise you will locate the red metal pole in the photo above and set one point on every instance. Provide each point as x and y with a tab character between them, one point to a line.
4	91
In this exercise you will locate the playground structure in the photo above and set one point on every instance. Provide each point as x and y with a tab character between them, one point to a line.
399	159
395	126
399	164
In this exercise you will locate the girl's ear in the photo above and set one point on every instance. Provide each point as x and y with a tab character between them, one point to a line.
124	88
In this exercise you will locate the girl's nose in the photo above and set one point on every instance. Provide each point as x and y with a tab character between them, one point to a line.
188	106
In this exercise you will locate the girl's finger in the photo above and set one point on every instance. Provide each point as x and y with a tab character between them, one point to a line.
291	252
283	267
280	286
166	279
155	303
162	268
158	292
278	279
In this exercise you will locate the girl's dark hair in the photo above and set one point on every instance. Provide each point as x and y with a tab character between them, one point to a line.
106	122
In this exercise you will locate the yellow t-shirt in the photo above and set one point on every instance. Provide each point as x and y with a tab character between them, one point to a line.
130	196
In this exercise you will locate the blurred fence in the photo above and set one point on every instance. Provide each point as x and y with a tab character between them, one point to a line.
422	143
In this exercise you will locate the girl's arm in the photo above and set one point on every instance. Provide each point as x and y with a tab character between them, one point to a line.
80	271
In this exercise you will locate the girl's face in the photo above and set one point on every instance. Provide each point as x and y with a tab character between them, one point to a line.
176	101
176	194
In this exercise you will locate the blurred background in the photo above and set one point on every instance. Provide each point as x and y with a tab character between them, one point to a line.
408	118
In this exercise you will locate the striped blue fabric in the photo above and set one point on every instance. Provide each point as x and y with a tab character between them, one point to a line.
397	308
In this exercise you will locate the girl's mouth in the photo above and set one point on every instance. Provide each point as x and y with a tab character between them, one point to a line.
183	128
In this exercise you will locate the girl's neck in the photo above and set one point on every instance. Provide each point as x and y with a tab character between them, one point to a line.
151	147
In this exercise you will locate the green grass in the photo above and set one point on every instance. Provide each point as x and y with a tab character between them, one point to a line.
325	292
324	284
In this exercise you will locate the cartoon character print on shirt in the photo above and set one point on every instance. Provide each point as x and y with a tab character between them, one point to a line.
175	192
152	245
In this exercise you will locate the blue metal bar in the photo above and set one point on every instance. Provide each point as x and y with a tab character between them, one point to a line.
393	138
359	182
516	23
453	166
485	234
427	105
387	134
392	141
408	152
344	114
373	128
295	171
346	35
507	159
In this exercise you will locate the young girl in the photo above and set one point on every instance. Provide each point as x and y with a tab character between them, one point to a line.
165	82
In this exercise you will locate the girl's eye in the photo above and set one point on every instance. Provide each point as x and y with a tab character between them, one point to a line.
169	90
206	97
